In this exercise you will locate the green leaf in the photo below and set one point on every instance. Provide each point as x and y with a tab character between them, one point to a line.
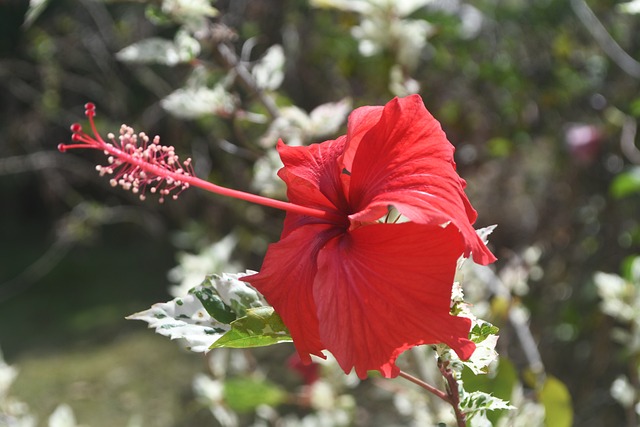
481	331
631	269
235	293
226	297
156	16
246	394
557	403
260	327
626	183
214	304
500	147
635	106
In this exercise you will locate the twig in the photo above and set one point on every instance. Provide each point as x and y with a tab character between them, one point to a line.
82	215
35	161
231	62
627	140
604	39
36	271
516	317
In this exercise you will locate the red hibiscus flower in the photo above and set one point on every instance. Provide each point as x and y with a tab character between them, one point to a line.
342	278
361	288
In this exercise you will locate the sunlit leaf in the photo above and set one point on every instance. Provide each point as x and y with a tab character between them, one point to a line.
626	183
246	394
631	269
499	147
260	327
557	403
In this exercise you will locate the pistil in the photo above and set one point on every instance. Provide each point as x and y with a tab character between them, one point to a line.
138	164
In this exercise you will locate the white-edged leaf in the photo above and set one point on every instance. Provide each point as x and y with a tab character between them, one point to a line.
235	293
194	102
290	126
618	296
7	376
359	6
192	268
479	402
62	416
36	7
485	232
183	48
400	84
205	314
187	11
184	318
265	175
268	72
631	7
484	354
623	391
327	118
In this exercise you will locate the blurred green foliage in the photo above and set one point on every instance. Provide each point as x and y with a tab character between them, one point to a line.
534	104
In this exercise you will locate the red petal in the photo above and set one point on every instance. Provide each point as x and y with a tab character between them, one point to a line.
286	281
312	173
360	121
384	288
405	160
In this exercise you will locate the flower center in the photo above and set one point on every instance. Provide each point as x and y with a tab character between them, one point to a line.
393	216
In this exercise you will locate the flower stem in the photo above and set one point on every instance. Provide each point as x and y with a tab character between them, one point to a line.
431	389
451	396
453	392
